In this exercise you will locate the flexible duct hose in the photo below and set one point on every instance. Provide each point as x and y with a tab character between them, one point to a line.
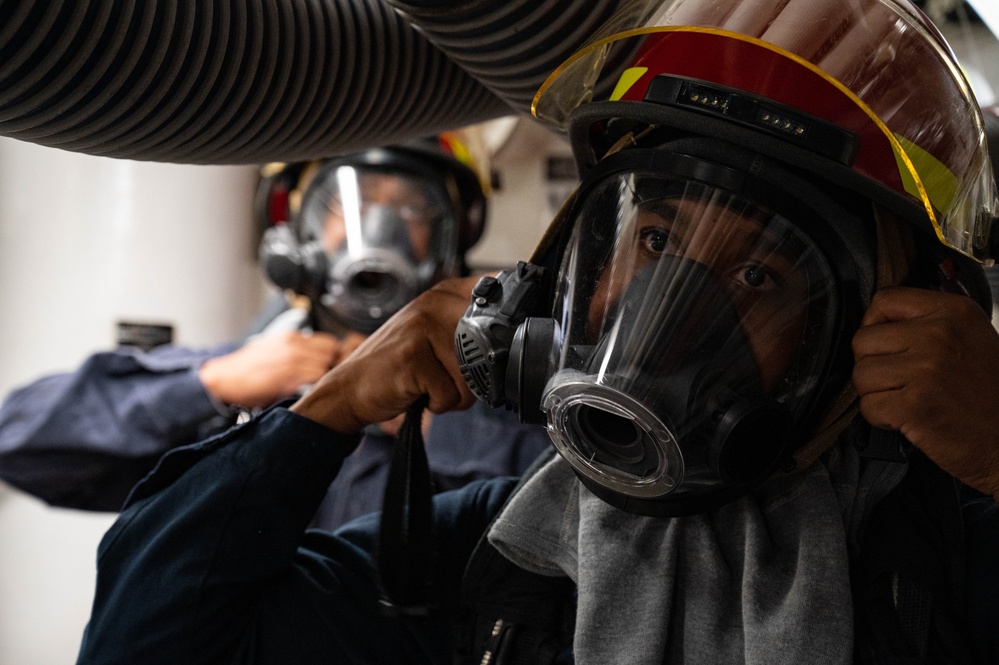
512	46
224	81
241	81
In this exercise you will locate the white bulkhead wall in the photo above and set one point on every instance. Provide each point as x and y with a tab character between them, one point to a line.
87	242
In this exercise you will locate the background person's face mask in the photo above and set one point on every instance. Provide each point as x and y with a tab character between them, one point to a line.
386	237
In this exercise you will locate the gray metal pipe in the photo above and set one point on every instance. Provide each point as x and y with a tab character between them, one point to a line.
244	81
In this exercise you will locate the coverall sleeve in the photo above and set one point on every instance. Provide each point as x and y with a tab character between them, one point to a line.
83	439
210	562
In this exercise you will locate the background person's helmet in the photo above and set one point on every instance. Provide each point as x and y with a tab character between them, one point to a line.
821	124
368	232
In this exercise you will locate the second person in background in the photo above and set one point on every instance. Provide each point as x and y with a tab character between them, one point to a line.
353	240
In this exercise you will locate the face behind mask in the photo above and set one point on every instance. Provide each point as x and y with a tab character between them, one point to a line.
385	237
677	370
377	278
702	303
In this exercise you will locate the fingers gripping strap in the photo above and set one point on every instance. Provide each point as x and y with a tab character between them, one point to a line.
405	538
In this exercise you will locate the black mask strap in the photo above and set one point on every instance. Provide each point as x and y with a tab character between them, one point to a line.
405	539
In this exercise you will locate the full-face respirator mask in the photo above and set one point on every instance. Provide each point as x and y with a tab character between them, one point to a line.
368	238
696	322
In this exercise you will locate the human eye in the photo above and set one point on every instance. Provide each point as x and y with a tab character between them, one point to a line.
657	233
655	240
756	279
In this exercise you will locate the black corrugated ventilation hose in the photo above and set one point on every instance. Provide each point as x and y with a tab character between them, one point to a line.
225	81
243	81
511	46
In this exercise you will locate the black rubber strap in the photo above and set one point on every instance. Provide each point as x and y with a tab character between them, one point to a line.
405	537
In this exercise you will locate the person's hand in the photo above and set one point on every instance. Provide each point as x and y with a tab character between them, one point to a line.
411	354
927	365
270	367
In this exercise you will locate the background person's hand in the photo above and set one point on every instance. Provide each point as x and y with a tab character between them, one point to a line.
270	367
927	365
410	355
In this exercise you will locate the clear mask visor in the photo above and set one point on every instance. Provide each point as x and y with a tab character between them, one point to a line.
386	235
694	325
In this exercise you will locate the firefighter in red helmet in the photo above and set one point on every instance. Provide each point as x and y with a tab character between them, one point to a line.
758	337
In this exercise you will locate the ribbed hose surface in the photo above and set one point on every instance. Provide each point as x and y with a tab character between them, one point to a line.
511	46
238	81
225	81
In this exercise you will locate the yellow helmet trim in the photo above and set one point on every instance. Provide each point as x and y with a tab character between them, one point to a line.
939	181
628	79
907	168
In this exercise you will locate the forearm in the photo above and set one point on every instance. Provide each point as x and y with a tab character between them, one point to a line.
180	573
81	440
209	564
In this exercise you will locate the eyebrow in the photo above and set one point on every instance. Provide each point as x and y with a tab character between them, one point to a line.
761	237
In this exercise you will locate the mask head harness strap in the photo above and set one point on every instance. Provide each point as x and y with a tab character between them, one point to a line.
895	255
405	548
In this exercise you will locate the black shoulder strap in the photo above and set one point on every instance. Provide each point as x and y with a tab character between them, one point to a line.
406	534
909	580
511	616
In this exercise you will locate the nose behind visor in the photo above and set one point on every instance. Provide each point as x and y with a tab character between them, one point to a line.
669	398
386	235
373	279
